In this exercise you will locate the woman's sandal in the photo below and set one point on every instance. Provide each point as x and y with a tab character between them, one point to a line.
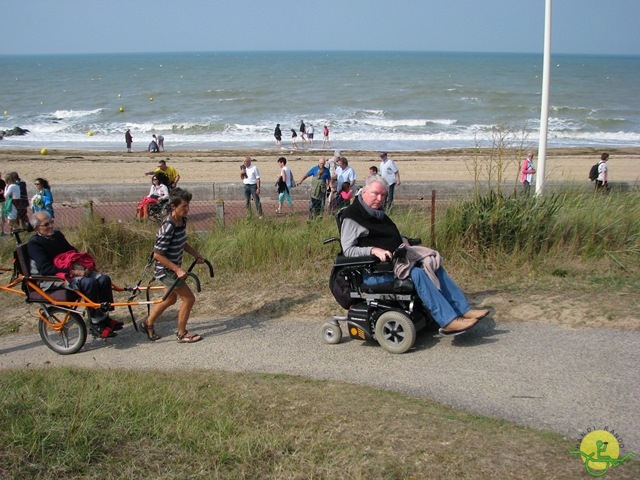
187	337
148	329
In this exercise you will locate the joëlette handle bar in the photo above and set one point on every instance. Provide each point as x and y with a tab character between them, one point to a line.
192	275
207	262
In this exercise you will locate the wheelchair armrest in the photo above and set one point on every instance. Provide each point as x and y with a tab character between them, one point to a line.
329	240
356	261
414	241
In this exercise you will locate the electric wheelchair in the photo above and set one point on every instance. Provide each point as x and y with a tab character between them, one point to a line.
380	307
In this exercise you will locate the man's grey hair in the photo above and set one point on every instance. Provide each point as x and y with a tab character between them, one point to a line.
38	218
375	179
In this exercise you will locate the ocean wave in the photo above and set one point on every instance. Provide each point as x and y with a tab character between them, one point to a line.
75	114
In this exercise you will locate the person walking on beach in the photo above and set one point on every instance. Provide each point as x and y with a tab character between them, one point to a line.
303	131
128	140
391	174
603	173
310	134
527	171
294	141
277	133
251	179
325	137
171	243
285	184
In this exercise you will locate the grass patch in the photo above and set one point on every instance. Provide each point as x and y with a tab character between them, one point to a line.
68	423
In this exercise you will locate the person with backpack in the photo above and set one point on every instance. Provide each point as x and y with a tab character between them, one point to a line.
527	171
321	179
603	172
16	202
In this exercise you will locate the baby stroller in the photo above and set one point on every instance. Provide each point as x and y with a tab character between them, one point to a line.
387	310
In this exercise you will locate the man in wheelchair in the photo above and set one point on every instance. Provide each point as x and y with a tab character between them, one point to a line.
367	230
46	251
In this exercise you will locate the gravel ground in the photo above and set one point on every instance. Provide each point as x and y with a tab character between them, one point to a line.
541	376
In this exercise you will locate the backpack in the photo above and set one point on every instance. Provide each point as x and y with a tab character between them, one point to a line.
318	188
593	173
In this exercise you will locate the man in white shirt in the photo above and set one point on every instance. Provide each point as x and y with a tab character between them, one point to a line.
391	174
251	179
603	172
332	164
345	173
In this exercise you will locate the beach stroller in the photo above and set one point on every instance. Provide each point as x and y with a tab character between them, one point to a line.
59	310
389	312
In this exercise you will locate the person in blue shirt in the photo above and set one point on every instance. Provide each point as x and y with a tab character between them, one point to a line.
42	201
313	172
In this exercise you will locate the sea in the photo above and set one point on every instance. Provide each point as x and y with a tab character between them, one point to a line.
395	101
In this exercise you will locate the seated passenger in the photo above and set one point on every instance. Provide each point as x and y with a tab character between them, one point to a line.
157	193
367	230
45	248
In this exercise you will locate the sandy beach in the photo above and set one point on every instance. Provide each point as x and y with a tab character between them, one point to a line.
113	167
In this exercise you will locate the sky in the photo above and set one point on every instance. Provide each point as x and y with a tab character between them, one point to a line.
114	26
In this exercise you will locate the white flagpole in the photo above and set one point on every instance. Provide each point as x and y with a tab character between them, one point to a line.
544	103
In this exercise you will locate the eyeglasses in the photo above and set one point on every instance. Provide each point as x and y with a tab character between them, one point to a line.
37	184
46	224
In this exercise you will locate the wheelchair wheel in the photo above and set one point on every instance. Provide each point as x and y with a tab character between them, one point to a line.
67	333
395	332
332	333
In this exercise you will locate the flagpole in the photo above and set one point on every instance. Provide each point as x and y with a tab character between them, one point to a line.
544	102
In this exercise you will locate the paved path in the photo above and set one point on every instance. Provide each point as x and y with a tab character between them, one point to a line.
536	375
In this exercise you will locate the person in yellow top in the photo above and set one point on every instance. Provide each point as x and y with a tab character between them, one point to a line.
170	172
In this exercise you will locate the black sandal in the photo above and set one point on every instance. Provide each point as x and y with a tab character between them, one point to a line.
148	329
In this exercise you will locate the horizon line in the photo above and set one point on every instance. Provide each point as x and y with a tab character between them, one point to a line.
468	52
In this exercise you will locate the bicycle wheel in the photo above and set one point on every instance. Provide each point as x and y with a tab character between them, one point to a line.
65	332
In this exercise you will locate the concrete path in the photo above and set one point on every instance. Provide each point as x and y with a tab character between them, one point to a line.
536	375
